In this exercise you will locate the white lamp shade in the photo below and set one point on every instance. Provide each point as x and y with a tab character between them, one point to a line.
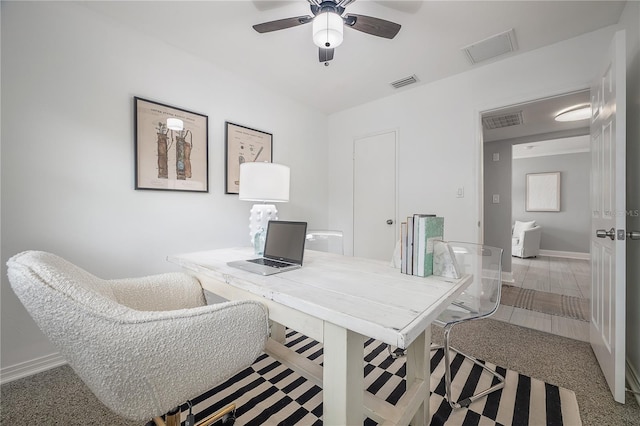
327	30
175	124
267	182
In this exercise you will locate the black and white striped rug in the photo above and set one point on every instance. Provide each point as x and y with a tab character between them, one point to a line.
268	393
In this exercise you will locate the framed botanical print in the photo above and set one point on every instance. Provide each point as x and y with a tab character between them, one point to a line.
171	148
244	145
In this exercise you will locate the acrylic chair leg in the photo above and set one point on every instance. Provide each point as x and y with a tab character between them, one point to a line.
447	365
447	373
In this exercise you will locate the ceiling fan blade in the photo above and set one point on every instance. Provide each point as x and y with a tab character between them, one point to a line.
282	24
374	26
325	54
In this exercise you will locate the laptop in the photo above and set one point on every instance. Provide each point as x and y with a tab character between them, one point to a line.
283	249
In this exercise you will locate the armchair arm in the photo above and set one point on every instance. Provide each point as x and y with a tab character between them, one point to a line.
531	241
162	292
166	358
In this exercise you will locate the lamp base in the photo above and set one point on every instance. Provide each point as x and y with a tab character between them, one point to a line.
260	216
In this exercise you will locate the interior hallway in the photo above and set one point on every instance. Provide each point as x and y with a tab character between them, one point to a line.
570	277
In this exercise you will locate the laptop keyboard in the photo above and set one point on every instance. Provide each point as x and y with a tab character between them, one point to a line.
269	262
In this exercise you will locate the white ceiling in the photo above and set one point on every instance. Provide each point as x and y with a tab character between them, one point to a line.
571	145
538	120
428	45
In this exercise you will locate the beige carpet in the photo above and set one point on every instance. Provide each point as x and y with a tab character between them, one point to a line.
547	303
58	397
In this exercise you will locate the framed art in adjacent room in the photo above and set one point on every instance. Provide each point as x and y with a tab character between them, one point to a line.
244	145
543	192
171	147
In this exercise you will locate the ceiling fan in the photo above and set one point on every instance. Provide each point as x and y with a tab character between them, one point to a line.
328	23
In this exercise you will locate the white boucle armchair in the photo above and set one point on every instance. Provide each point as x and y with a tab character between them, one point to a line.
525	239
143	346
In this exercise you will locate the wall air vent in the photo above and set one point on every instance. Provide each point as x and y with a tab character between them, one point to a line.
491	47
504	120
404	82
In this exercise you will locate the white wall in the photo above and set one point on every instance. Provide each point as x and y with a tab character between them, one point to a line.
439	130
497	180
568	230
68	81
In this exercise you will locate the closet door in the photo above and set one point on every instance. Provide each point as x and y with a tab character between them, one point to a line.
375	230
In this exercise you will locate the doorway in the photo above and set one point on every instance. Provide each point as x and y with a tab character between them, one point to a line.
563	270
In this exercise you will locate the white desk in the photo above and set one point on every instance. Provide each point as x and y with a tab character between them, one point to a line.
338	300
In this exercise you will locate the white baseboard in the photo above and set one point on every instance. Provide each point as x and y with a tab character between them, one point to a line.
29	368
633	380
565	254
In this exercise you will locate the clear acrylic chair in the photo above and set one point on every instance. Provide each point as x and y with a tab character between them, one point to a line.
325	240
480	300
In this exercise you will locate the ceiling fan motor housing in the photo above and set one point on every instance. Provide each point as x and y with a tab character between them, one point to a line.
328	25
326	6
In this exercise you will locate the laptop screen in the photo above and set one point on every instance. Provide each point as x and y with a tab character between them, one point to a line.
285	241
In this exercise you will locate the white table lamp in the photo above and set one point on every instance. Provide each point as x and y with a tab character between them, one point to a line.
267	183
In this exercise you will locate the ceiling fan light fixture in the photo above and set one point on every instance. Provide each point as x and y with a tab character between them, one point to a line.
327	30
575	113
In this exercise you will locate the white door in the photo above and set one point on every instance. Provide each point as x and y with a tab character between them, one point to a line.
608	139
374	196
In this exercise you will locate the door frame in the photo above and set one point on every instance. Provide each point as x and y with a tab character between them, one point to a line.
480	158
508	275
506	102
396	132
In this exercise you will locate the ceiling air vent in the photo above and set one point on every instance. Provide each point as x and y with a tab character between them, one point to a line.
504	120
404	82
491	47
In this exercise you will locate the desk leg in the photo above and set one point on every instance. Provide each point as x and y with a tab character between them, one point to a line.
418	368
278	332
343	376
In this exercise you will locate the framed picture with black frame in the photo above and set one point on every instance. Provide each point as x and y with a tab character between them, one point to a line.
244	145
171	148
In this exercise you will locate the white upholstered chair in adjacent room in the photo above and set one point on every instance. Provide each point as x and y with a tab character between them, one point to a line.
525	239
480	300
325	240
144	346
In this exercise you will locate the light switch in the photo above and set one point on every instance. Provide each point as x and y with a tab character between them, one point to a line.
496	198
496	156
460	193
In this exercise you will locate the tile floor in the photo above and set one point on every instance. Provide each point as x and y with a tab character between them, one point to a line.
570	277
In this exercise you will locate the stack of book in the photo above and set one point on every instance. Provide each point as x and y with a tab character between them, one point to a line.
418	235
